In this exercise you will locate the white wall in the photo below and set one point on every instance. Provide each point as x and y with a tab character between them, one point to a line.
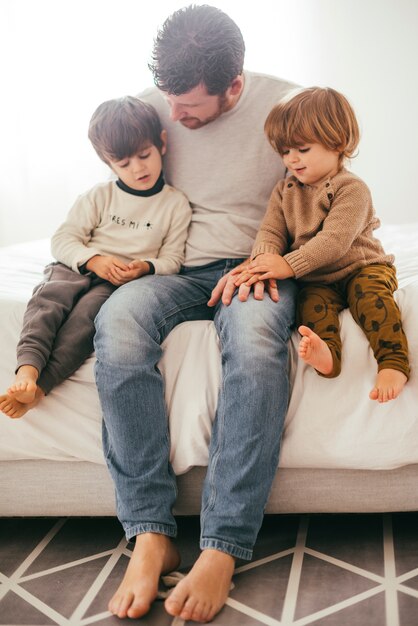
61	59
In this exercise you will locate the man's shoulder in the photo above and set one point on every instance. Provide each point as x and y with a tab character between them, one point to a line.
155	98
152	95
278	87
144	94
265	85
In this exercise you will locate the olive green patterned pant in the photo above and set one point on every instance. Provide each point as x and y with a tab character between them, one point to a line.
368	293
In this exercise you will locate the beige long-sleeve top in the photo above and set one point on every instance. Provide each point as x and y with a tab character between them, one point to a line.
109	221
227	170
324	233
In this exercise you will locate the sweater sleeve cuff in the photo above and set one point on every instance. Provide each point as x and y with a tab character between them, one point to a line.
263	248
297	262
151	266
164	266
83	259
83	268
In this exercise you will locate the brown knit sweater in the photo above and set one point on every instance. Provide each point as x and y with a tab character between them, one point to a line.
323	232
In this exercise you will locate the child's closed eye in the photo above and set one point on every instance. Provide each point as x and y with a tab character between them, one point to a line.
301	149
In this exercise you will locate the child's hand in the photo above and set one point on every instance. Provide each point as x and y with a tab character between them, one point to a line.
226	287
107	267
240	274
136	269
265	266
117	272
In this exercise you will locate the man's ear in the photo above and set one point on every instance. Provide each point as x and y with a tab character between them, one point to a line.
163	137
237	85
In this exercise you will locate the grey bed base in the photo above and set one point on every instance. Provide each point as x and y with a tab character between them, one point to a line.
49	488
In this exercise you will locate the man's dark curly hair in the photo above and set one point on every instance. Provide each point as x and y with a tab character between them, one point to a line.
197	44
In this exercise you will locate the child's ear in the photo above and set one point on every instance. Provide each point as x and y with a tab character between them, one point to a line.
163	142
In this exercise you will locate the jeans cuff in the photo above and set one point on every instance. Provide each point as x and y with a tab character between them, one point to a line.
228	548
149	527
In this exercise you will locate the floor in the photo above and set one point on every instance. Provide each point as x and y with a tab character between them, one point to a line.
327	570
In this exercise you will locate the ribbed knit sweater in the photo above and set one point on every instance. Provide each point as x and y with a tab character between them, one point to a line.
324	233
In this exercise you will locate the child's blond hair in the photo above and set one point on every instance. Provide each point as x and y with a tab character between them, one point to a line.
314	115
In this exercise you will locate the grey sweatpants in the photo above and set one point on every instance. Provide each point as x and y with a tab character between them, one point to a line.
58	325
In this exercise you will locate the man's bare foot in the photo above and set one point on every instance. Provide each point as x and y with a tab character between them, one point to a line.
14	409
314	351
204	591
389	384
152	556
25	385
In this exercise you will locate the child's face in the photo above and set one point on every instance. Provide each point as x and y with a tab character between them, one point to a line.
311	163
140	171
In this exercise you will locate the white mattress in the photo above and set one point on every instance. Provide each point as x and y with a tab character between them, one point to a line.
329	424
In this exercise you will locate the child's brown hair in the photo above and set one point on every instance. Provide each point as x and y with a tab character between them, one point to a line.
314	115
121	127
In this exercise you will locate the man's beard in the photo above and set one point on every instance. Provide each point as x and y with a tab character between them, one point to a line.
194	122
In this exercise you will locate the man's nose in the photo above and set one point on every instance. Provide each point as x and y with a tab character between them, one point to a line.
176	113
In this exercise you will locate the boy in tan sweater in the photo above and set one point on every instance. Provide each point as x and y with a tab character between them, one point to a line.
319	228
119	231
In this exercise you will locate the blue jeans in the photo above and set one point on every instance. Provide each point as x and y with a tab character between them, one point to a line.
252	403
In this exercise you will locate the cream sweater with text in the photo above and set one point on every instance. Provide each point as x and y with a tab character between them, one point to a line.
111	222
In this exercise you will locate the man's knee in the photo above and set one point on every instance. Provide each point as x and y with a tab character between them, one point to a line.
111	313
121	322
129	302
256	323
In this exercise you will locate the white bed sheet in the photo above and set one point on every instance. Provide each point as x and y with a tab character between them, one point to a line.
329	424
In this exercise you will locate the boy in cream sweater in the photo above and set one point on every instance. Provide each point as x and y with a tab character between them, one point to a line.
319	228
119	231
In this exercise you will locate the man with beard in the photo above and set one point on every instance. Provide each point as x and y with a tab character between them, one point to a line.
214	113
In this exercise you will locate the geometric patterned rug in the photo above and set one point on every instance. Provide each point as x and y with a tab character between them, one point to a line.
325	570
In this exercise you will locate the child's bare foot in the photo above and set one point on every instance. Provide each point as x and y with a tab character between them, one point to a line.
314	351
14	409
389	384
153	555
204	591
24	387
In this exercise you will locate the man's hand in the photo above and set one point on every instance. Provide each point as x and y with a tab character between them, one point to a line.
116	271
226	287
265	267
